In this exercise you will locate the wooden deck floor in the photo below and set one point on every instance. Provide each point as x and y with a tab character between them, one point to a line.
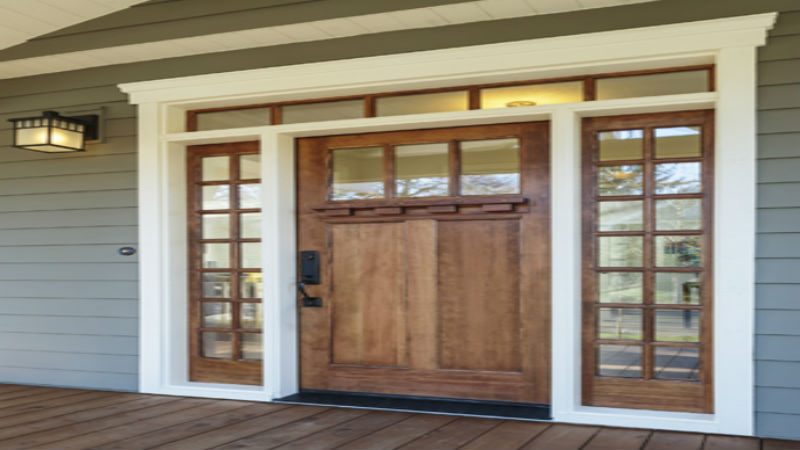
52	418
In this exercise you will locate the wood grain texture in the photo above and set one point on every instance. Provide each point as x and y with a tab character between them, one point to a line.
618	439
562	437
507	435
669	440
400	433
452	435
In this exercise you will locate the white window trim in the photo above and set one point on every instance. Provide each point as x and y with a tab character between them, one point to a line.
729	43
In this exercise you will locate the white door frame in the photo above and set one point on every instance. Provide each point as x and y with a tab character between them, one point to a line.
728	43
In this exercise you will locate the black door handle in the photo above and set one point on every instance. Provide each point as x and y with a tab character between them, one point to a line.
309	302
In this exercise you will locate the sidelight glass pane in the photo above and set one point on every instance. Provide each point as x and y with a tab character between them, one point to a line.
620	145
216	315
249	166
250	315
216	168
216	285
250	285
532	94
250	225
619	323
422	103
678	142
653	84
250	255
677	363
490	167
249	196
621	216
619	180
316	112
216	226
217	345
620	287
620	251
678	251
421	170
676	325
216	256
251	346
234	118
679	214
357	173
677	288
216	197
623	361
678	178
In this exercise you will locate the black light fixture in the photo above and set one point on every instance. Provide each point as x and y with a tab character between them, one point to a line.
52	133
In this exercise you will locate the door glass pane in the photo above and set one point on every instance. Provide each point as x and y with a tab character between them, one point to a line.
316	112
678	178
678	142
216	285
250	225
235	118
620	287
249	196
250	315
676	325
216	315
678	251
653	84
216	256
216	168
679	214
421	103
250	285
620	145
357	173
251	346
619	361
675	288
216	197
421	170
620	323
217	345
490	167
250	166
532	94
250	255
216	226
620	251
677	363
619	180
620	216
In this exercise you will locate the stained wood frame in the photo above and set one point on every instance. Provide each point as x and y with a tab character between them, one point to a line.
647	392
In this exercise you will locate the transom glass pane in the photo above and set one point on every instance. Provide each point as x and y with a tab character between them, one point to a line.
677	288
532	94
216	226
421	170
216	168
620	145
619	180
678	178
249	166
216	256
623	361
217	345
357	173
676	325
216	315
620	287
679	214
490	167
620	251
620	216
678	251
620	323
653	84
677	363
234	118
421	103
316	112
216	197
216	285
678	142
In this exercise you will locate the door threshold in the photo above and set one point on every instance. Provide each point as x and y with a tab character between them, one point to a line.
434	405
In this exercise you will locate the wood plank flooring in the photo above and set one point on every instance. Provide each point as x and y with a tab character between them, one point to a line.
33	417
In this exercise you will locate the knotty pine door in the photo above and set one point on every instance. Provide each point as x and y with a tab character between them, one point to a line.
435	262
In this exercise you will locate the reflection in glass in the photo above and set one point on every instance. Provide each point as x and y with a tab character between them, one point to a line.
216	168
620	216
216	315
679	214
653	84
421	103
677	288
532	94
216	197
216	256
357	173
216	285
250	255
620	251
490	167
251	346
234	118
619	180
676	325
678	142
677	363
678	178
217	345
421	170
250	225
678	251
249	196
216	226
250	315
620	145
620	287
317	112
619	361
250	166
620	323
250	285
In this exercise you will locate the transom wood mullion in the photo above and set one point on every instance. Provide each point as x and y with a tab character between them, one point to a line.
388	171
454	166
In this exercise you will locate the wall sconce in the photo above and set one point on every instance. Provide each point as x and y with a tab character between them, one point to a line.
52	133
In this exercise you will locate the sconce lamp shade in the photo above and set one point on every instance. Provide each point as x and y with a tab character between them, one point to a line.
52	133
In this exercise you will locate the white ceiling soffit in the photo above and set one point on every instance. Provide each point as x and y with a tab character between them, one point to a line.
21	20
435	16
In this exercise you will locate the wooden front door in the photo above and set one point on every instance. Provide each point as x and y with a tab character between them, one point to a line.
434	253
